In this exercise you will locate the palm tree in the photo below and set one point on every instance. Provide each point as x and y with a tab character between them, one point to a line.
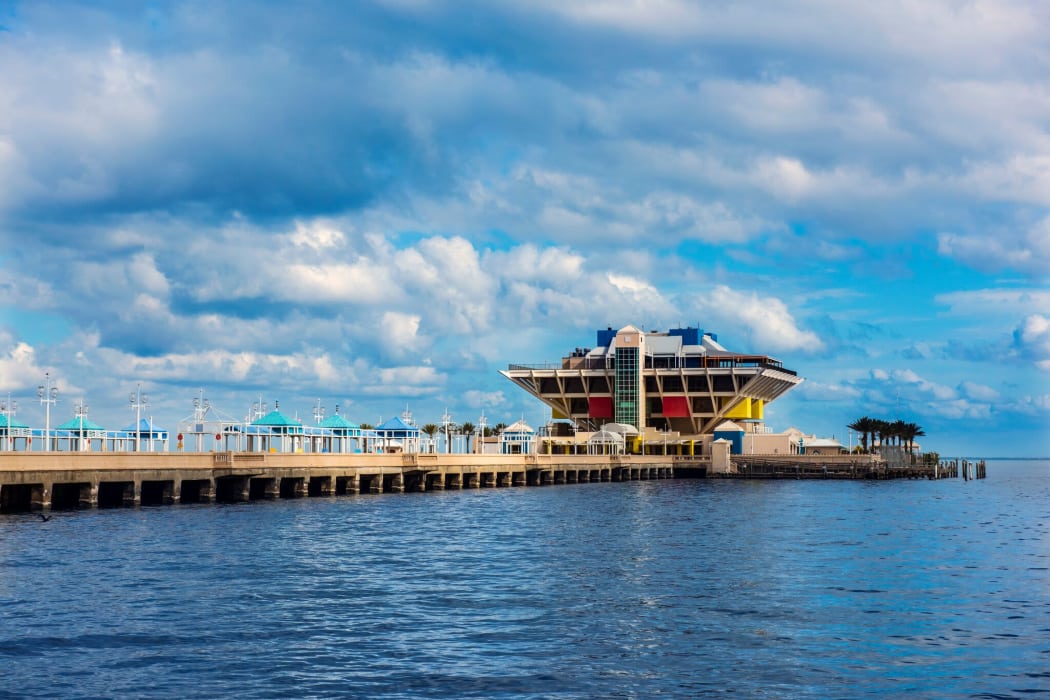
883	430
864	425
913	430
367	426
468	430
430	429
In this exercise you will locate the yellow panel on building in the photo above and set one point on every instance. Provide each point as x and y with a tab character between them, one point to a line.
558	415
758	409
741	411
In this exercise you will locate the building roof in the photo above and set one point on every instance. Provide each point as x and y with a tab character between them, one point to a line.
664	344
728	427
74	424
395	424
519	426
820	442
606	437
620	428
144	427
339	423
276	418
15	423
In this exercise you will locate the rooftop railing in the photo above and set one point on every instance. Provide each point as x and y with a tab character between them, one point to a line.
607	362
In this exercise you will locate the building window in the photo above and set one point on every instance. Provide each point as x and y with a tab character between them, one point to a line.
626	397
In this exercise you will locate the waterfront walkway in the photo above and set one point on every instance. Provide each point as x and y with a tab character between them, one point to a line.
41	482
32	482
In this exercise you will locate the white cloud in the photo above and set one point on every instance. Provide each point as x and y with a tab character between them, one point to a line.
362	282
317	235
17	364
484	399
767	319
979	392
932	390
400	332
1032	340
995	302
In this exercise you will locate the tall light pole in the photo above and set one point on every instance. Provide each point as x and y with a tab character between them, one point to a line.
48	395
479	445
139	401
80	410
8	408
201	406
446	420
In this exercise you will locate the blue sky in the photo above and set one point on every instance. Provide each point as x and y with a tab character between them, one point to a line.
380	204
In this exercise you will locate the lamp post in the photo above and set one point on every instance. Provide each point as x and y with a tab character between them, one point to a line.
479	445
80	410
446	420
201	406
48	395
8	408
318	419
138	402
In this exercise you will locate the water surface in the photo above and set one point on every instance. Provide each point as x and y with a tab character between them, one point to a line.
785	589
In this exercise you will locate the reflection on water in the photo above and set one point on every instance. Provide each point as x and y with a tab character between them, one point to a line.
621	590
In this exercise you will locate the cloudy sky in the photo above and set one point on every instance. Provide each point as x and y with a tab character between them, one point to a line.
382	204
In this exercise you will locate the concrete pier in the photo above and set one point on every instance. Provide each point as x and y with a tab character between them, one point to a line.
69	481
78	480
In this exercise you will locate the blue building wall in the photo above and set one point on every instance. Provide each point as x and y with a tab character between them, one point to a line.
735	438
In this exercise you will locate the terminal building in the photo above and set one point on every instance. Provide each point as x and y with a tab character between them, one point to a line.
679	381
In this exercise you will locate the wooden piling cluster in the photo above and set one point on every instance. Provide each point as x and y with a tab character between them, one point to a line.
41	482
967	470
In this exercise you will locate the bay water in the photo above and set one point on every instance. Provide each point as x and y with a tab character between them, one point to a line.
678	588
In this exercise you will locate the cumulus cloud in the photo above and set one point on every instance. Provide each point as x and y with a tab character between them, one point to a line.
1032	340
767	320
1027	250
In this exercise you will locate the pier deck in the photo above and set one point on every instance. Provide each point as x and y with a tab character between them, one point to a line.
42	481
71	480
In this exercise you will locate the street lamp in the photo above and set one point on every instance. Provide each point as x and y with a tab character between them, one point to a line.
446	420
479	445
80	410
8	408
48	395
139	401
201	406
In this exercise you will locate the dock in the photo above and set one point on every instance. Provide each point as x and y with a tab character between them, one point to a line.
844	467
40	482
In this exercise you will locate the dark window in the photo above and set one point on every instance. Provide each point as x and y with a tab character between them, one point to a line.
702	404
549	385
573	385
578	406
673	385
598	385
723	383
697	383
650	385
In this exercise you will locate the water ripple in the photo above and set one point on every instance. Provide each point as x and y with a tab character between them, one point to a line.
670	589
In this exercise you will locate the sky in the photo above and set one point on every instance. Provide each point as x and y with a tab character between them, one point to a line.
378	205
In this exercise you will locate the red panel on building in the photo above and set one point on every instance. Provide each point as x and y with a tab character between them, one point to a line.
676	406
600	407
